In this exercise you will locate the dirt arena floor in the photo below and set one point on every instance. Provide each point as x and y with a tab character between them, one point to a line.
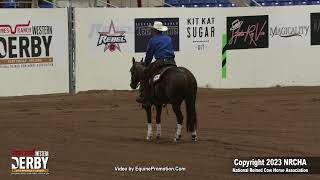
89	134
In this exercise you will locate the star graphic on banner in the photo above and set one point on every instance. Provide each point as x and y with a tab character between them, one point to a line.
114	35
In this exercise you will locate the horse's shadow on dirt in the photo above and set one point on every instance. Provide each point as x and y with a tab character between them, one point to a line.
164	141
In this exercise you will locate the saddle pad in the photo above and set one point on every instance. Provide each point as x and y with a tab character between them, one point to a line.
158	76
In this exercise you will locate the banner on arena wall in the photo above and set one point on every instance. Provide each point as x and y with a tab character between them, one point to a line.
104	49
315	28
287	30
247	32
108	35
25	45
256	43
107	40
244	32
200	32
111	38
143	32
34	52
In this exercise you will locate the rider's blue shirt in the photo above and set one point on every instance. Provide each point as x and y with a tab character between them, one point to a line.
160	46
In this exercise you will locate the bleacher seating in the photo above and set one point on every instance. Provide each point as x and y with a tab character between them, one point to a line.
24	4
8	4
200	3
227	3
285	2
45	5
178	3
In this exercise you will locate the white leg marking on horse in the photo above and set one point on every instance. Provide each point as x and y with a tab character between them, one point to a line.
179	127
158	130
178	133
194	135
149	132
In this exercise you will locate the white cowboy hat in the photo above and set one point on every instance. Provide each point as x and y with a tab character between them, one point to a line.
159	26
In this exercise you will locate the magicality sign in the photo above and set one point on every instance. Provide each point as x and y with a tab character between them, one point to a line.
246	32
25	45
289	31
29	162
143	32
201	31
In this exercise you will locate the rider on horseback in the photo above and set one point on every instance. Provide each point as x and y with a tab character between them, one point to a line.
161	48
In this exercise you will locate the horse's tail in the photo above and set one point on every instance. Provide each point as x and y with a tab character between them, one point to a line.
190	102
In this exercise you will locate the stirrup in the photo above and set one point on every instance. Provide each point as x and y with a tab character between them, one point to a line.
140	100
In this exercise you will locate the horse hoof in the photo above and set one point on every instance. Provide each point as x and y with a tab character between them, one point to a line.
149	138
177	138
158	137
194	138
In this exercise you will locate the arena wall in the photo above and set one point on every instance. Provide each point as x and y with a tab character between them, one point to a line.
271	48
34	52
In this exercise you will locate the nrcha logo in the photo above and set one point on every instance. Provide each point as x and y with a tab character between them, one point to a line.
29	162
111	39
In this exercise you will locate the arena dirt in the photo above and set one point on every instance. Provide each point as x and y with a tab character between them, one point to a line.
89	134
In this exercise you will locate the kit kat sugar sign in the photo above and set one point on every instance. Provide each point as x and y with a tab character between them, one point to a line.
247	32
200	31
25	45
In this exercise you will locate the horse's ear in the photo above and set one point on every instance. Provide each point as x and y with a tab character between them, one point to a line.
133	61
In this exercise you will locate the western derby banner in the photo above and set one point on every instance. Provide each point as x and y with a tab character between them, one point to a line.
25	44
34	52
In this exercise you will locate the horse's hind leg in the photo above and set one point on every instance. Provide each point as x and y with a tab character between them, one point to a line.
158	120
194	136
177	110
149	131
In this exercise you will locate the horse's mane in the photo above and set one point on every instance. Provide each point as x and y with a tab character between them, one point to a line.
140	65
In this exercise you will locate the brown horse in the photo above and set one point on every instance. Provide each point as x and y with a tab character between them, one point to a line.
176	85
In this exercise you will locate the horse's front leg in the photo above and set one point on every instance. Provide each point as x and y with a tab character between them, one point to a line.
158	119
149	131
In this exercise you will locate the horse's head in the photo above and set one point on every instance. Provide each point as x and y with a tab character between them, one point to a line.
136	73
